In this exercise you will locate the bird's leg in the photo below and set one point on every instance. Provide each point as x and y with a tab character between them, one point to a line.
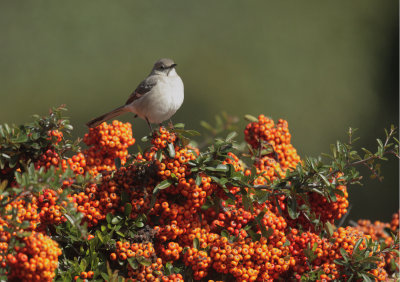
171	125
151	128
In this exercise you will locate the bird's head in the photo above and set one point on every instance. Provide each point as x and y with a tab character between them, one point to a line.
164	67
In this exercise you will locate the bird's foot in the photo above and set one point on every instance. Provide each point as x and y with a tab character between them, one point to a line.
171	125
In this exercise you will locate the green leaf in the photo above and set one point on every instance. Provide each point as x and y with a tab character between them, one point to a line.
247	227
198	180
18	177
250	118
338	192
230	136
25	224
133	263
329	228
196	243
225	233
332	195
315	246
171	150
24	234
266	232
143	261
100	236
109	217
105	276
327	183
13	161
366	278
206	125
339	262
179	126
3	185
358	243
153	199
139	224
163	185
206	205
262	196
379	142
128	209
168	268
254	236
124	197
267	151
116	220
344	254
292	208
117	162
83	264
21	138
246	202
159	155
192	133
222	168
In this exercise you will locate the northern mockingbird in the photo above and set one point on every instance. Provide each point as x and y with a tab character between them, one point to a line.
155	100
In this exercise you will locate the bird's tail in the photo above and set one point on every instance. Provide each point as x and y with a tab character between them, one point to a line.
116	112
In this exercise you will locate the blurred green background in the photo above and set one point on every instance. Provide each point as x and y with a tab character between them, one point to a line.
322	65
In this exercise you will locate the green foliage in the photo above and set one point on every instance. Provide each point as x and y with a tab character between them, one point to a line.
22	144
357	265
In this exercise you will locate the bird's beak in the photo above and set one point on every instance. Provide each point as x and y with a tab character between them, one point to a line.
171	68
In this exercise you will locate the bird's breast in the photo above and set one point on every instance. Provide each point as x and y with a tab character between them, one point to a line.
162	101
171	92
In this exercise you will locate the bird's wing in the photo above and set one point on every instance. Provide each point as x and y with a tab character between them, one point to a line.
144	87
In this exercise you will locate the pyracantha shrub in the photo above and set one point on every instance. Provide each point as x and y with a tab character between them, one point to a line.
175	211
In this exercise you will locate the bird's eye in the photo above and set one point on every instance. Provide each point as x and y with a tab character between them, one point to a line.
162	67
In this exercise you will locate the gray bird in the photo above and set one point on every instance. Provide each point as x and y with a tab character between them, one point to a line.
156	99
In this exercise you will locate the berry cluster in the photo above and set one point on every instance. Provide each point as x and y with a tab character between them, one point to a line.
36	261
230	218
89	204
152	270
346	238
394	224
170	252
268	170
249	260
272	165
50	211
199	261
376	230
174	163
77	163
314	253
55	136
49	158
106	143
127	250
310	253
265	134
85	275
25	211
324	209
